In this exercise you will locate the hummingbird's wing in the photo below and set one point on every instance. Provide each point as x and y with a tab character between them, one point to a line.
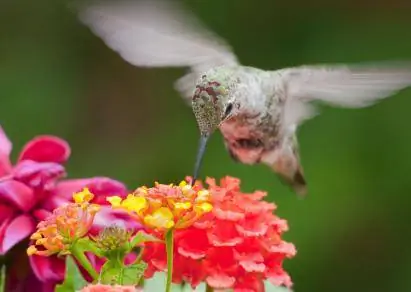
339	85
157	33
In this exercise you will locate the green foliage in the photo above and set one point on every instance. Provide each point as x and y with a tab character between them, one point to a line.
85	245
142	237
2	277
73	279
115	272
132	274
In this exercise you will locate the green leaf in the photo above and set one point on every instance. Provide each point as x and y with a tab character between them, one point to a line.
141	237
110	272
132	274
85	244
113	272
73	279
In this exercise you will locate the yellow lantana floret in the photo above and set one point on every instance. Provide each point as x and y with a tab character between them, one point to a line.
82	197
162	218
115	201
164	207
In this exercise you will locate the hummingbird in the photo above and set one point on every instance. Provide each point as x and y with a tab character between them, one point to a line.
257	111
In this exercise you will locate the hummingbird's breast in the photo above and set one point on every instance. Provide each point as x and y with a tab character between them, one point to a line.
248	138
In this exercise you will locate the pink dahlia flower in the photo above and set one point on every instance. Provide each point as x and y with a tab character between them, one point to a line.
30	190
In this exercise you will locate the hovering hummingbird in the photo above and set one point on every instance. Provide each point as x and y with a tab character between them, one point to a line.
257	111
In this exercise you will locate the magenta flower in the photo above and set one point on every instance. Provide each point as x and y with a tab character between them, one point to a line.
25	186
30	190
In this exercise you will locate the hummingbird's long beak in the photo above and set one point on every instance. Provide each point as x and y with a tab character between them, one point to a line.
200	155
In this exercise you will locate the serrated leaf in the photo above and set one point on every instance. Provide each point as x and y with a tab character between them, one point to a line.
73	279
110	272
116	273
132	274
141	237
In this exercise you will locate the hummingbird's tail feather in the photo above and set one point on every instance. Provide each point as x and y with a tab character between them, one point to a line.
294	178
286	164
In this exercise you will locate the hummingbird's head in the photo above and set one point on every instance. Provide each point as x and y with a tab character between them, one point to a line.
213	103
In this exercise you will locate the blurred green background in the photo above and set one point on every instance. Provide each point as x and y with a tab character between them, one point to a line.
353	230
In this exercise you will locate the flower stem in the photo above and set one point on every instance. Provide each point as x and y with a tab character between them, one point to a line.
169	248
83	261
209	288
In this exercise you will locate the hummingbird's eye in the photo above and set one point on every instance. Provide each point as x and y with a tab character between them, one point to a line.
228	109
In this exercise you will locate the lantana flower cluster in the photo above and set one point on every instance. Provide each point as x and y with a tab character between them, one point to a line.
164	207
237	245
65	226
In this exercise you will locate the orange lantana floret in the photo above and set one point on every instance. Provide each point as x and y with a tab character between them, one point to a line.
163	207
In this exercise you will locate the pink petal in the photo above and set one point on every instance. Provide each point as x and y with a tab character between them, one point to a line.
21	278
46	149
53	201
38	174
220	281
101	187
3	227
224	233
5	165
41	214
251	266
18	194
252	226
6	212
5	144
18	229
47	268
107	217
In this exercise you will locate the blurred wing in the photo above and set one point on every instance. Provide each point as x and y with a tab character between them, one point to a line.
157	33
344	86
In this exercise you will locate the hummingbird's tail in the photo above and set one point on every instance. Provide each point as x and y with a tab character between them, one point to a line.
285	162
293	176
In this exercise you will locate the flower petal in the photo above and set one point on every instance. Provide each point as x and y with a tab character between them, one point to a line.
18	194
18	229
101	187
47	268
5	144
253	226
5	165
107	217
46	149
53	201
3	227
220	281
6	212
224	233
192	243
38	174
41	214
20	276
